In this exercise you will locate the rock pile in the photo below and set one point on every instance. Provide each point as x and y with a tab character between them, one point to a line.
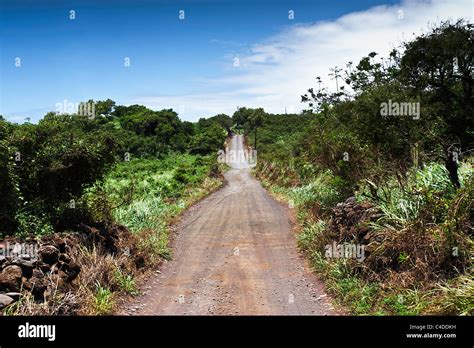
38	267
45	266
350	220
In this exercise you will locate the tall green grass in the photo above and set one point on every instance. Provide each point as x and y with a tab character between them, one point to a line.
424	198
145	194
402	201
321	190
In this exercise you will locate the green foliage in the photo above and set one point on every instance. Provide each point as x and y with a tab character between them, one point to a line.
150	133
38	224
279	137
9	183
49	167
250	119
104	108
439	64
103	303
398	305
146	193
426	190
322	190
309	233
222	120
125	282
457	296
412	175
424	73
241	116
208	139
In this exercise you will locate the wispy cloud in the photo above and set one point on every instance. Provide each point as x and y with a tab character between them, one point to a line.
277	71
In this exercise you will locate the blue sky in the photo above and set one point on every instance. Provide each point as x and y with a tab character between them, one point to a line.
189	64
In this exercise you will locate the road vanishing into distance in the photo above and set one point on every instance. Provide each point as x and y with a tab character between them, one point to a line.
234	253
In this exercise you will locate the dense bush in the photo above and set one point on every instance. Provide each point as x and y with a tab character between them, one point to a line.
9	190
145	194
45	168
50	164
207	139
399	185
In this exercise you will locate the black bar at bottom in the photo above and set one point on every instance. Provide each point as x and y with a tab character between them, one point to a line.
326	331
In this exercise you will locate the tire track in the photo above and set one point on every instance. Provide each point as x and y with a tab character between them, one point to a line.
234	254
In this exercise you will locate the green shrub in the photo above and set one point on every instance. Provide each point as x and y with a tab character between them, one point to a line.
323	190
310	231
427	189
103	303
125	282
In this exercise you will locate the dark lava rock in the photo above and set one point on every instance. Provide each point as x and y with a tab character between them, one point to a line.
43	266
37	285
10	278
49	254
71	270
25	265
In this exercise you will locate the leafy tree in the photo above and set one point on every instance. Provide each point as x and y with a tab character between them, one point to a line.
439	66
435	71
241	116
250	118
8	180
59	158
256	121
222	119
105	107
208	139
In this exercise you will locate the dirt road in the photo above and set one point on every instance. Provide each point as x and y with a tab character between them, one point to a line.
234	254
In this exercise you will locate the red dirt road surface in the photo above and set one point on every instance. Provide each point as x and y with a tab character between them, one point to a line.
234	253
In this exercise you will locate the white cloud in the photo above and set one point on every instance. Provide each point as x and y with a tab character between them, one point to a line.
276	72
